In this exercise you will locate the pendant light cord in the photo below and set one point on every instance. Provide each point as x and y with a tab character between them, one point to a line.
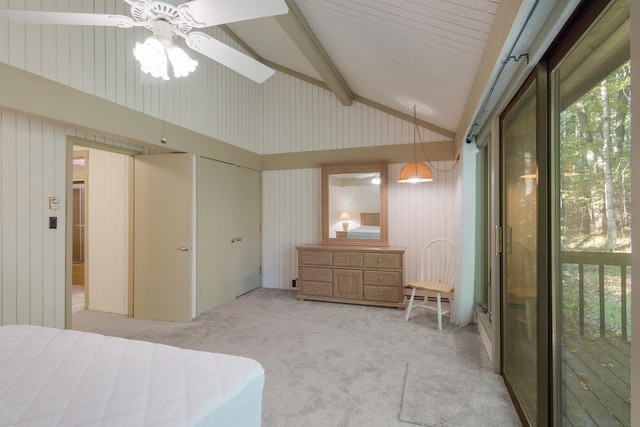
416	129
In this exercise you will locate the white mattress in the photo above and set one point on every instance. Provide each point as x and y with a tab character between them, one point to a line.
52	377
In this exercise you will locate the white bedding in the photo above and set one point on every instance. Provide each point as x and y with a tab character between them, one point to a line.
52	377
365	232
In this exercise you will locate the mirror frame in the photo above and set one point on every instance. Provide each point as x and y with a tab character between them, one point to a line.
355	167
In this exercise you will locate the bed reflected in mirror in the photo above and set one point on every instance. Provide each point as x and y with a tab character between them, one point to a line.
354	203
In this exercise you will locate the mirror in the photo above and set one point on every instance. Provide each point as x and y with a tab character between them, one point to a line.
354	203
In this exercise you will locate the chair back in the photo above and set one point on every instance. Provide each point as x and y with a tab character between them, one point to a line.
521	267
436	263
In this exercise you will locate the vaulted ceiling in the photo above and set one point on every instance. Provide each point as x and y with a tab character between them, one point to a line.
393	54
436	55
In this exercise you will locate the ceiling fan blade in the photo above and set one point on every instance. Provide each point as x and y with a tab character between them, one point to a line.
67	18
207	13
228	56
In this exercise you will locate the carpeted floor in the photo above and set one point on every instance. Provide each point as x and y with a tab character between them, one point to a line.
431	397
332	364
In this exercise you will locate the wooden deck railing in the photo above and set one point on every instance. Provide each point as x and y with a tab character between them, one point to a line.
601	259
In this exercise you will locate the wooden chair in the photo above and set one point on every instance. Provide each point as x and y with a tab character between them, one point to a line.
436	276
521	284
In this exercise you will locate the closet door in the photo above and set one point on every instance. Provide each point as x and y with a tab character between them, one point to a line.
229	238
246	220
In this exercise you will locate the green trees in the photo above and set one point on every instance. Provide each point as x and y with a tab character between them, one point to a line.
595	166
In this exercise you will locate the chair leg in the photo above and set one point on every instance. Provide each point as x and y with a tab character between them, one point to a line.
413	294
529	313
439	309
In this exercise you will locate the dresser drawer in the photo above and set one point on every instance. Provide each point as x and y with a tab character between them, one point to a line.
315	258
316	289
382	293
347	259
315	274
391	261
382	278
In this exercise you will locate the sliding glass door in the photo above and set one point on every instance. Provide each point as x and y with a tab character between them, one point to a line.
520	207
565	203
592	228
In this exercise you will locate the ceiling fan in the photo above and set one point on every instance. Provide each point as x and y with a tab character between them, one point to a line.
167	21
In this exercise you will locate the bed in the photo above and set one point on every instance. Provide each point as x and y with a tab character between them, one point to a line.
54	377
369	227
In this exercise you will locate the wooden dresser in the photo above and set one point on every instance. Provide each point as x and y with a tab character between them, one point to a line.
355	275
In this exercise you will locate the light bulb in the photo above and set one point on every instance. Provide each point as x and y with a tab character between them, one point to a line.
152	58
181	62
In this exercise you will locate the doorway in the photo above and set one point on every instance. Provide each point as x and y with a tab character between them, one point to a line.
101	227
79	251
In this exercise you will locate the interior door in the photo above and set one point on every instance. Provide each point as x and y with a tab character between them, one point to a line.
164	237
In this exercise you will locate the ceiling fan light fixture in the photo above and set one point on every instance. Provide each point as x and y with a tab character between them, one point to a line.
173	20
181	63
152	57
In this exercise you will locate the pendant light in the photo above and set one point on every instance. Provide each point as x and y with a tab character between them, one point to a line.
414	172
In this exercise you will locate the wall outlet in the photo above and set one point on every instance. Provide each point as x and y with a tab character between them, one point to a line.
294	283
53	222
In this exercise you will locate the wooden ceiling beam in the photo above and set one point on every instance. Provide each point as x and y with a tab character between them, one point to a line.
299	30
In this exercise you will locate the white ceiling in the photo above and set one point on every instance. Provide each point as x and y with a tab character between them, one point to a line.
396	53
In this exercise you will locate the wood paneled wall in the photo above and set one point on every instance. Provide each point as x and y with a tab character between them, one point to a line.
32	256
299	116
419	213
291	216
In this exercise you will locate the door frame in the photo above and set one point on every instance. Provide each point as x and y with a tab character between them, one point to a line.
85	143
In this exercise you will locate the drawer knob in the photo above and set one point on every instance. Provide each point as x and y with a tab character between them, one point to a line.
315	289
379	294
315	274
379	279
346	259
379	260
315	258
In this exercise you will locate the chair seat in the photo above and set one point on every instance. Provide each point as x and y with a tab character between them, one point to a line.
523	292
433	287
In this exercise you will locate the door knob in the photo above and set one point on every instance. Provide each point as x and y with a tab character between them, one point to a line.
184	248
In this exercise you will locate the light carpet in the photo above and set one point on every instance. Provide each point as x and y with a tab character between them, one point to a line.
439	395
326	364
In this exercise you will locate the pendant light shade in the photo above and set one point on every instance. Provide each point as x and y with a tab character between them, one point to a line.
414	172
